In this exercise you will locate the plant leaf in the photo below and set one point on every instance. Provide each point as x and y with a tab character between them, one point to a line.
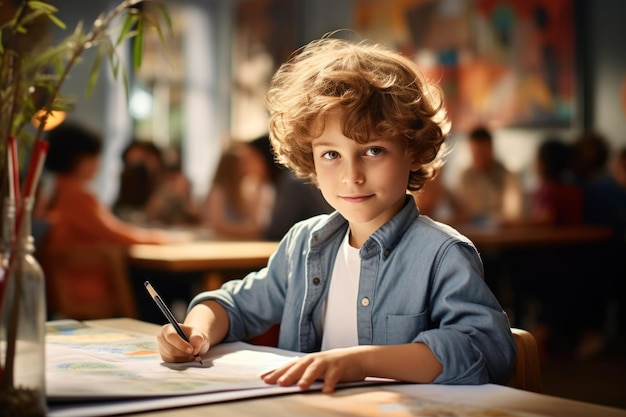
138	44
95	70
126	32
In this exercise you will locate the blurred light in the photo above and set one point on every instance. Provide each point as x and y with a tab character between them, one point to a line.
140	104
54	119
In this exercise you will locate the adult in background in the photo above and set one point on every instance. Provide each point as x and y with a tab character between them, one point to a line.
487	192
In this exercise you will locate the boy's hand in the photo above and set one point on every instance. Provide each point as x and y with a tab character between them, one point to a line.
174	349
333	366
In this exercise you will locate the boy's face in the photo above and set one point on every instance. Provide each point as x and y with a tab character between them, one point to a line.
366	183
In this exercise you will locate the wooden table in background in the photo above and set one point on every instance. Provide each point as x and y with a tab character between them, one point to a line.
516	237
212	258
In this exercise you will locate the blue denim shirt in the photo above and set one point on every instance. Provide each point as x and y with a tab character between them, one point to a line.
420	281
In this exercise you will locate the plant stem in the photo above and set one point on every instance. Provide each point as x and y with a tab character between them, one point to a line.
100	25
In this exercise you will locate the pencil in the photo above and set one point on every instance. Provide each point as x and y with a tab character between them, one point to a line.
167	313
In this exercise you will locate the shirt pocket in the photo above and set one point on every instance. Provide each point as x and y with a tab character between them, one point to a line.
404	329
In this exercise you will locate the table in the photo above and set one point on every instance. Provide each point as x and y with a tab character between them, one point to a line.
382	400
212	258
519	237
203	255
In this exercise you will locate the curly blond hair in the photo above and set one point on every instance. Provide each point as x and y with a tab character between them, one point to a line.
379	93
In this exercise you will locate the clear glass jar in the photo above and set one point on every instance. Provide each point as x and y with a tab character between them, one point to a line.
23	318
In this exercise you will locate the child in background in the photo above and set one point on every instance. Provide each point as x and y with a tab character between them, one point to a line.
372	289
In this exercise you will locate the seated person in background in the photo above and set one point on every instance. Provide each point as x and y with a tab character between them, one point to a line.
604	204
296	199
229	210
556	201
487	192
141	175
604	198
78	220
372	289
171	203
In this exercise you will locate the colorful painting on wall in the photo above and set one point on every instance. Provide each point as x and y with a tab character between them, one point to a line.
500	62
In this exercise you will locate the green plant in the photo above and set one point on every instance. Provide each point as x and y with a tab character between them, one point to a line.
31	76
32	72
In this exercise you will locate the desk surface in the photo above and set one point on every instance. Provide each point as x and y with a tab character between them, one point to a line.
386	400
202	255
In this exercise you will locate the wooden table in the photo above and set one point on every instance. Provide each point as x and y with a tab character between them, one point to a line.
207	255
514	237
381	400
212	258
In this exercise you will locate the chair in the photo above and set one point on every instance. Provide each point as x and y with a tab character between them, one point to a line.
61	265
527	374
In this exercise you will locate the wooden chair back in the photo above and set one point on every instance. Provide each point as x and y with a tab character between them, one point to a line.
59	263
527	374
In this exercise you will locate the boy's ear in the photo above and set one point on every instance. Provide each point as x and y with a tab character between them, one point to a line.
415	164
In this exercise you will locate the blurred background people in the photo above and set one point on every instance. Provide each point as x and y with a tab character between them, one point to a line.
141	175
604	204
171	204
231	209
253	197
544	297
487	192
556	200
604	198
78	221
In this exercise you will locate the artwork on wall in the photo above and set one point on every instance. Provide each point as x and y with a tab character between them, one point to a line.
500	62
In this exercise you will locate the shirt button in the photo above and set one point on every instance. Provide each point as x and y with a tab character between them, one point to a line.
365	301
387	252
316	281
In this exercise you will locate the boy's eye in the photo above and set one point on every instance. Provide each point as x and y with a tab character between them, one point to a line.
374	151
330	155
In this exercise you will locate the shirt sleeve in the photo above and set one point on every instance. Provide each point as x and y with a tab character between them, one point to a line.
473	339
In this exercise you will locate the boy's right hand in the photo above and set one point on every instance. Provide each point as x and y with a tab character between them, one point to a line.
174	349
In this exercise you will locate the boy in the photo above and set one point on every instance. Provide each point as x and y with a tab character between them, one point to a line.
372	289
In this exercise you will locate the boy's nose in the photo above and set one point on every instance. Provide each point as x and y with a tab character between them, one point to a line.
353	173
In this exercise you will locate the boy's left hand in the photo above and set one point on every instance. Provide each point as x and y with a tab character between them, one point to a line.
332	366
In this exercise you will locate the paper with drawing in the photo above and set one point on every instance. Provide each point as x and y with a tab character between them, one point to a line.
89	362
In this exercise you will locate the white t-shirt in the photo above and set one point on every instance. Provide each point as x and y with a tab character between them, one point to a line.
340	329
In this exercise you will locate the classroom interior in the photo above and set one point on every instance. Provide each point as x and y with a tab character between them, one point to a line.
210	95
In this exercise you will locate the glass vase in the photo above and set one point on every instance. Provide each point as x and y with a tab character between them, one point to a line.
22	317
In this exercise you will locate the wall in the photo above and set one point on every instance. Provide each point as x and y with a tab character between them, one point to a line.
605	69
